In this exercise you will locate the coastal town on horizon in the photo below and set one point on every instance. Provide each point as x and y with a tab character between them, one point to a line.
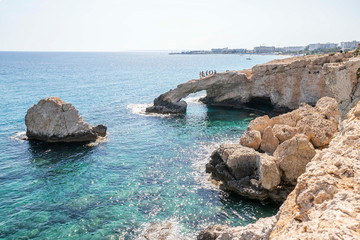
313	48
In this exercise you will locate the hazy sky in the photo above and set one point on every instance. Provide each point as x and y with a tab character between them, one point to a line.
118	25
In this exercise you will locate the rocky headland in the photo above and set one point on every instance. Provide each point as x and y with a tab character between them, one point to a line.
312	153
284	83
52	120
273	152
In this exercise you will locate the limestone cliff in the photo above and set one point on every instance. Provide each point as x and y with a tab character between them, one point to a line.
283	83
274	152
325	203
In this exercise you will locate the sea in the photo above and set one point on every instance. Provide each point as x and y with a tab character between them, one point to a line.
150	169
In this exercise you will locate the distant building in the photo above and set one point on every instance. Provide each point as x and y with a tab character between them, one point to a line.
319	46
292	49
219	50
234	51
264	49
349	45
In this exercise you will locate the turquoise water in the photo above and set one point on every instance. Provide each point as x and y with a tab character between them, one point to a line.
150	169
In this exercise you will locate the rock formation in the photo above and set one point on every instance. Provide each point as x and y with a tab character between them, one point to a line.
53	120
287	144
282	83
325	203
257	231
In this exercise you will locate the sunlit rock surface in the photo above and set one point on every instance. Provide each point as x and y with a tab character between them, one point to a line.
284	83
53	120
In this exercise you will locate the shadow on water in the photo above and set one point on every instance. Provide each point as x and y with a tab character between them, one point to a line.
59	158
244	206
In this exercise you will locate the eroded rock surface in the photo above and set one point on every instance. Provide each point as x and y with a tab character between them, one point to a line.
292	156
287	144
251	139
282	83
53	120
260	230
325	203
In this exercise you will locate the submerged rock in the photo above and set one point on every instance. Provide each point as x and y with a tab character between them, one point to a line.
53	120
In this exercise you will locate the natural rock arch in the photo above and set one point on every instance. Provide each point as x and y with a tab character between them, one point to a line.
286	82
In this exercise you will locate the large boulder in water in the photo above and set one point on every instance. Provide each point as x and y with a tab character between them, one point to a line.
53	120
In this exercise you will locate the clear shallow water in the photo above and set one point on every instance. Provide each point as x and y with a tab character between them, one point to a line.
150	169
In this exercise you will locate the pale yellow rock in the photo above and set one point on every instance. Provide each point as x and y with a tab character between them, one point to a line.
329	108
240	160
268	171
284	132
251	139
289	119
269	142
343	81
320	130
259	124
326	201
292	156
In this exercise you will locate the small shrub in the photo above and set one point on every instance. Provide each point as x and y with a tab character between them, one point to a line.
357	52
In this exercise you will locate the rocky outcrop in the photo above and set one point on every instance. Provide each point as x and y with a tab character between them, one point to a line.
165	230
281	83
287	144
292	156
325	201
343	81
258	231
251	139
53	120
240	170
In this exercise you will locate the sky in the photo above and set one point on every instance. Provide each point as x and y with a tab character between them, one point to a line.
135	25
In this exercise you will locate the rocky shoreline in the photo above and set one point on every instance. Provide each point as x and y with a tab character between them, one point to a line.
306	159
273	152
315	150
284	83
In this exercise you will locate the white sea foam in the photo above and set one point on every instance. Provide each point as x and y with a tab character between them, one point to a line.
20	136
195	99
140	109
98	141
198	164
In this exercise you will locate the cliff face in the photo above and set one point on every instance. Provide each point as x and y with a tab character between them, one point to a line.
343	81
283	83
325	203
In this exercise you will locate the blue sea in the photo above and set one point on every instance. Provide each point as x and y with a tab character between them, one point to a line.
150	169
